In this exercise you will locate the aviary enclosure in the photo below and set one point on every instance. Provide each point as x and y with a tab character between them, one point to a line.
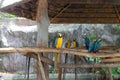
66	11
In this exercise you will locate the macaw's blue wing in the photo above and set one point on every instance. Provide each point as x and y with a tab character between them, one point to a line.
49	44
66	44
77	44
55	42
97	47
87	42
91	47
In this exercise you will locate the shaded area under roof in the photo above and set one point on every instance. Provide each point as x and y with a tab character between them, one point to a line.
70	11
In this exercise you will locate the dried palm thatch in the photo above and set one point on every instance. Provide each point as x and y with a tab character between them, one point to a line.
68	11
41	9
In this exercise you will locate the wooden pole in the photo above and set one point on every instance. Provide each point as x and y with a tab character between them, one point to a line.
43	59
24	51
110	60
42	36
110	65
40	69
64	72
76	62
28	68
60	69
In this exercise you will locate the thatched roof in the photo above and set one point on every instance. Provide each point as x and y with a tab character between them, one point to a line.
70	11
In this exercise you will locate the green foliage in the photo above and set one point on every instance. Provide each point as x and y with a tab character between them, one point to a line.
52	70
104	71
115	71
4	15
98	60
117	30
92	37
118	69
10	16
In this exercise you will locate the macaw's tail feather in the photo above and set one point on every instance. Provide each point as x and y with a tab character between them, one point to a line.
55	62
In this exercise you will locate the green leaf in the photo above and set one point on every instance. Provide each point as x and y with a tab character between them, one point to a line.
114	72
117	29
10	16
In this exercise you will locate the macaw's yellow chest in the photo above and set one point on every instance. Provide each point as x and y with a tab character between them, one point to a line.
59	42
74	44
69	44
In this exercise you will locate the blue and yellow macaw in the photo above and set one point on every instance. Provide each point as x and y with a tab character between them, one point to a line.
97	45
76	58
91	48
68	44
94	47
75	43
58	44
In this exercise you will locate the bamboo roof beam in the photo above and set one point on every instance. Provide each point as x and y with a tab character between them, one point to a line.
86	20
60	12
87	15
110	2
117	12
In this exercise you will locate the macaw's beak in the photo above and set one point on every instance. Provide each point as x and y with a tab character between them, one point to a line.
84	36
94	40
99	40
60	35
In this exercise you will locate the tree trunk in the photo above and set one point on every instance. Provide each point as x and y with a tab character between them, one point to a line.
42	38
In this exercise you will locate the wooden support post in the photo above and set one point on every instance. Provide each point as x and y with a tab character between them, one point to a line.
76	62
40	70
60	69
28	66
64	72
110	73
42	36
